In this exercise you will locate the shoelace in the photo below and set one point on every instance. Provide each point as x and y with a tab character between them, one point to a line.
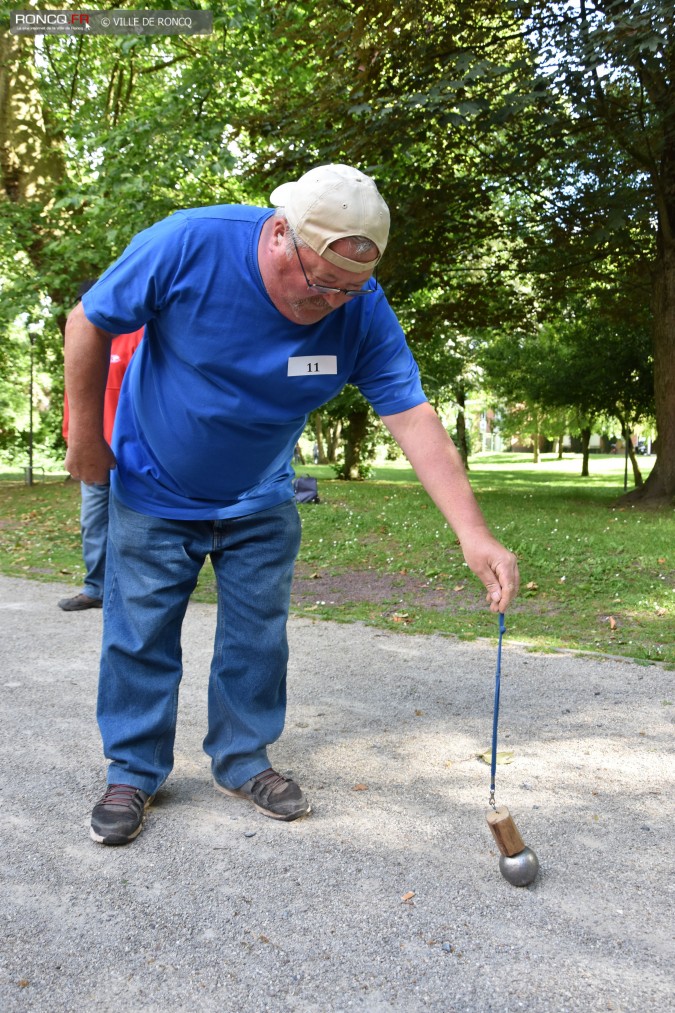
270	780
120	795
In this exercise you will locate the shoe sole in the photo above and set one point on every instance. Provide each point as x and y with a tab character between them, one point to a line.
116	840
235	793
80	608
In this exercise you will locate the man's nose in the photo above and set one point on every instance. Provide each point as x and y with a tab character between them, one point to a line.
335	299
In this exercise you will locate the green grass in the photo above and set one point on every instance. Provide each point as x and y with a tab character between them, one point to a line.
594	577
600	578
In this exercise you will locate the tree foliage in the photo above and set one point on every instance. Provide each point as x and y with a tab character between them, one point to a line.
100	137
587	364
524	149
527	151
611	63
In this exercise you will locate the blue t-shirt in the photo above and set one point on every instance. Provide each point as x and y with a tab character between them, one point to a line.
219	390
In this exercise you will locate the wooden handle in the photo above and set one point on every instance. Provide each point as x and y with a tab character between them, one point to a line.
505	831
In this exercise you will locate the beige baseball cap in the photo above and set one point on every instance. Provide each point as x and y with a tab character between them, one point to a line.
334	202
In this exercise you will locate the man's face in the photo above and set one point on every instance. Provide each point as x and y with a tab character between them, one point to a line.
309	307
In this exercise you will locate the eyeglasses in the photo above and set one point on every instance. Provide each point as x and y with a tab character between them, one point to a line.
326	289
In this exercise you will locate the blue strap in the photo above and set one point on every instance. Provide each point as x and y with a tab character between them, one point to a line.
495	714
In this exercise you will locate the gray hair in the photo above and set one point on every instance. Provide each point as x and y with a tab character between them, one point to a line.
359	244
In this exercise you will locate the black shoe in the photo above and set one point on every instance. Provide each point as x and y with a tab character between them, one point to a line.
117	817
79	603
273	795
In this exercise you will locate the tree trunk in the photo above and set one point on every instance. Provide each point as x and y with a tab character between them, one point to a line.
585	450
637	474
535	448
333	441
30	160
318	437
462	443
629	451
659	489
354	434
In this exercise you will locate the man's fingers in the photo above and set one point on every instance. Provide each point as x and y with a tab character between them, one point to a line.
497	569
502	586
91	464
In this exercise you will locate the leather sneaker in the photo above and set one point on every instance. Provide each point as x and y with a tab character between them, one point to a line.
272	794
117	817
79	603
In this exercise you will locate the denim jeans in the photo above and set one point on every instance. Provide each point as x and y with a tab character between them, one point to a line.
151	572
94	528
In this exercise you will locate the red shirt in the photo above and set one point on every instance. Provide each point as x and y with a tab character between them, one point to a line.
122	348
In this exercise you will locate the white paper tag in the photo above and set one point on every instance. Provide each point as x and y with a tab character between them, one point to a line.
314	365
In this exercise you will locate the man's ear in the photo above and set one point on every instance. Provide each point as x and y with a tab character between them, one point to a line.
279	227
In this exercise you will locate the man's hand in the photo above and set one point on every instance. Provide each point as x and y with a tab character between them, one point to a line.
496	567
423	439
90	462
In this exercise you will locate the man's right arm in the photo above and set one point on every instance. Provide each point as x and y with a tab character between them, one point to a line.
87	357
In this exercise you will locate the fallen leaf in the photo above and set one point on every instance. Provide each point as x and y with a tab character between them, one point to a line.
360	787
448	763
407	897
23	983
459	587
532	586
418	714
662	560
315	576
612	622
502	757
263	939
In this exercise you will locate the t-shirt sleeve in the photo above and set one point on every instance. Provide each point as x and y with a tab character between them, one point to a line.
385	371
136	286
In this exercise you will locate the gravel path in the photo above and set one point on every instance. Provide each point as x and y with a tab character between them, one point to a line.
217	908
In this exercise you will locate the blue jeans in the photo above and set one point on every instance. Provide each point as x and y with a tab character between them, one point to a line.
152	570
94	528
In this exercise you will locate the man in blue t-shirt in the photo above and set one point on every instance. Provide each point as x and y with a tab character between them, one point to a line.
254	317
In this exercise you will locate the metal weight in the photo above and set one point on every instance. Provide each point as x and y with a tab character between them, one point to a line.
520	869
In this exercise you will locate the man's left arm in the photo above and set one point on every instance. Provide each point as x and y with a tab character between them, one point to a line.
422	438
